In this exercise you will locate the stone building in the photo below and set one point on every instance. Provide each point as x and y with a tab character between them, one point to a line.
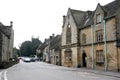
44	48
70	39
55	50
6	42
91	39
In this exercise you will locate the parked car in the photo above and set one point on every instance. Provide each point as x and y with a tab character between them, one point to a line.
32	60
26	59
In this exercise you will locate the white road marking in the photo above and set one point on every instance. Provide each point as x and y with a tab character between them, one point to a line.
5	75
1	75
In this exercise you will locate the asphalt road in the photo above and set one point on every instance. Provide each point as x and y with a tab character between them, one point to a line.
44	71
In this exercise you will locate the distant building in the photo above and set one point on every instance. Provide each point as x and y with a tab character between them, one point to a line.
55	50
44	49
51	50
91	39
6	42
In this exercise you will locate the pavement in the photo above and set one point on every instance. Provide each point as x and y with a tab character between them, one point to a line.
100	72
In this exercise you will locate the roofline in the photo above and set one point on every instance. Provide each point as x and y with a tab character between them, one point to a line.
72	16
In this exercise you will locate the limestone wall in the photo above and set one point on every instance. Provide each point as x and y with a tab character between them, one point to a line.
74	62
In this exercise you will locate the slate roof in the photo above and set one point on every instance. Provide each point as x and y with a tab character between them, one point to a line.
111	8
43	45
55	43
88	19
80	17
85	18
5	29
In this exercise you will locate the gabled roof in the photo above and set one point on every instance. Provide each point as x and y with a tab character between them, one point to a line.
82	18
77	16
43	45
111	8
5	29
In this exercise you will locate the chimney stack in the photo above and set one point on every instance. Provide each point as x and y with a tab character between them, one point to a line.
11	23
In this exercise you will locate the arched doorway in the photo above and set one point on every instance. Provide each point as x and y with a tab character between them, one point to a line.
84	59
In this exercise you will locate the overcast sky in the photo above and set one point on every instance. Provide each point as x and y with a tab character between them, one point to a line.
40	18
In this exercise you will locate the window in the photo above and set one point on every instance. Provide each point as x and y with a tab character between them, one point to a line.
99	56
83	38
99	36
68	55
98	18
68	34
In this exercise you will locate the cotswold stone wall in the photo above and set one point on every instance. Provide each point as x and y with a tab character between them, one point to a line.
112	56
88	52
74	30
74	62
118	57
113	53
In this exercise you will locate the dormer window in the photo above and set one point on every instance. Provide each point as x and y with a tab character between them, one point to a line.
98	18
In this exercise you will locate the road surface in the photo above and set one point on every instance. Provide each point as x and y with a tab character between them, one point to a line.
44	71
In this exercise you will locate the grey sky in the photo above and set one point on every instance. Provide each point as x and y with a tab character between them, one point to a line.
40	17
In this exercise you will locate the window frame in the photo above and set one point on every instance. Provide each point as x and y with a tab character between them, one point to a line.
100	58
68	34
99	35
98	18
68	55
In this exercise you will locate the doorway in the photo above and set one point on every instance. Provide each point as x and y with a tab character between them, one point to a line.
84	59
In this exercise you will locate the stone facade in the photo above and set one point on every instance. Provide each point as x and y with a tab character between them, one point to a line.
51	50
44	49
71	48
94	38
6	42
55	50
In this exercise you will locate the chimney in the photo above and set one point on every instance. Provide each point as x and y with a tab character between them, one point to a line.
64	18
89	12
50	37
45	40
53	35
11	23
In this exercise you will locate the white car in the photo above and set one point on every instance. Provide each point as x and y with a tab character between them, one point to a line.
26	59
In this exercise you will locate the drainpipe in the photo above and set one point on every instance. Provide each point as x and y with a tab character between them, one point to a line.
92	34
117	42
105	46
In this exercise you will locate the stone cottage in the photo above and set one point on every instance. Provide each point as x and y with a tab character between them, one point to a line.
44	49
55	50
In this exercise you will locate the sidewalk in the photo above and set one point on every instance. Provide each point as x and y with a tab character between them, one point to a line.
100	72
106	73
